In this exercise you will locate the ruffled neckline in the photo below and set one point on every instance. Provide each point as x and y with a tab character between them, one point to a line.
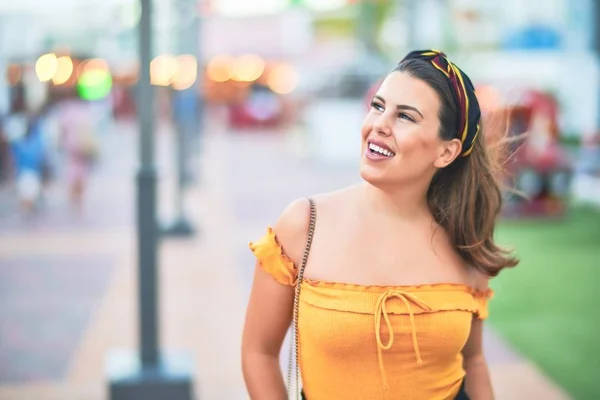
428	287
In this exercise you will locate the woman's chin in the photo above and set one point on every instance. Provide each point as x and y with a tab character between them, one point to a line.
373	175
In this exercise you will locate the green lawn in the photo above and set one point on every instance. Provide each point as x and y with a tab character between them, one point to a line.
548	307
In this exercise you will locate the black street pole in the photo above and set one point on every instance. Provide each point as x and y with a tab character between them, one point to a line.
148	375
146	201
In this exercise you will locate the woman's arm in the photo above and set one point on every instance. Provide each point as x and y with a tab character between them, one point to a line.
478	383
269	311
267	320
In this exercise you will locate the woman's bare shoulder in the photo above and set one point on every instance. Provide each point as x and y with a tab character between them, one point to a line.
294	219
292	226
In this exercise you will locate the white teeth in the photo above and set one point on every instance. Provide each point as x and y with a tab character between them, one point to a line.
380	150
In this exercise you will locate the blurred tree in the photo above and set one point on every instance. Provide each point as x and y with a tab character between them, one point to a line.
370	18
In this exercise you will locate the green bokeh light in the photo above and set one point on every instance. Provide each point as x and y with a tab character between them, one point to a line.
94	85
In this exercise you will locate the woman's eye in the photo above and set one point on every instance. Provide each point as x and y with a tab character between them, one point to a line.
377	106
406	117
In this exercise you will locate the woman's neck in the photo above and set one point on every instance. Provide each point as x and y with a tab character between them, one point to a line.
408	202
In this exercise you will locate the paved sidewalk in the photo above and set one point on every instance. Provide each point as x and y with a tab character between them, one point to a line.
202	302
246	180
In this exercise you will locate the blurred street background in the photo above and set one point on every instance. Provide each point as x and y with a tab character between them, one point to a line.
239	107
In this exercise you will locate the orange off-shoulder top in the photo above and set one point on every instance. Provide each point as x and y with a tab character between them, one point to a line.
377	342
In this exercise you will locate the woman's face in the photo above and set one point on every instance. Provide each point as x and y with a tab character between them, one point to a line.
400	142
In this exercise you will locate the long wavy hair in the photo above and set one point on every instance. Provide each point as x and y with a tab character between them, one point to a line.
465	197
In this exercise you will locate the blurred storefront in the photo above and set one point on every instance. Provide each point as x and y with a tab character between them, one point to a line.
263	57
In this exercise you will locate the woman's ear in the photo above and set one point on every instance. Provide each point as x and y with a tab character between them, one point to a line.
449	151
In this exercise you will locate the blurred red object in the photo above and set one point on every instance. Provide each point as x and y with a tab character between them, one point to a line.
262	108
538	165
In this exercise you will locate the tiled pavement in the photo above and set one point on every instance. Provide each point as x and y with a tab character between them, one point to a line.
67	286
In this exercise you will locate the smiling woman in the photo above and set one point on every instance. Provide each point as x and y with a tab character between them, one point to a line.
388	291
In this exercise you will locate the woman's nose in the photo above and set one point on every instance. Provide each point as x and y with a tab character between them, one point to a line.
382	125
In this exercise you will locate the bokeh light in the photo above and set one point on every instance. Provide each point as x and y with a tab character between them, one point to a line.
248	68
91	65
283	78
162	70
46	67
221	68
64	70
94	84
186	73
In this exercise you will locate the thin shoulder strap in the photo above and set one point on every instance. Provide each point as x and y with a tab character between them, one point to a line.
294	344
309	238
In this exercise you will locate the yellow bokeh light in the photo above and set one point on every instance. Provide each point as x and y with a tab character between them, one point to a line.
187	72
283	78
162	70
46	67
248	68
220	68
64	70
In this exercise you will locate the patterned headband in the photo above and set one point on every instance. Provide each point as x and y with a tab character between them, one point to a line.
464	94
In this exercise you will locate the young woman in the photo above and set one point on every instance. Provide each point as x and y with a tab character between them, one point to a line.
394	292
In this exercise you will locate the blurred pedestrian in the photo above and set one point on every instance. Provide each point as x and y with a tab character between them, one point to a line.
80	143
387	289
28	153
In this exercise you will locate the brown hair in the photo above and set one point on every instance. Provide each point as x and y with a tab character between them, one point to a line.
465	197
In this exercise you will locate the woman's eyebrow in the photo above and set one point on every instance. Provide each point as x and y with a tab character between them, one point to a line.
401	106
